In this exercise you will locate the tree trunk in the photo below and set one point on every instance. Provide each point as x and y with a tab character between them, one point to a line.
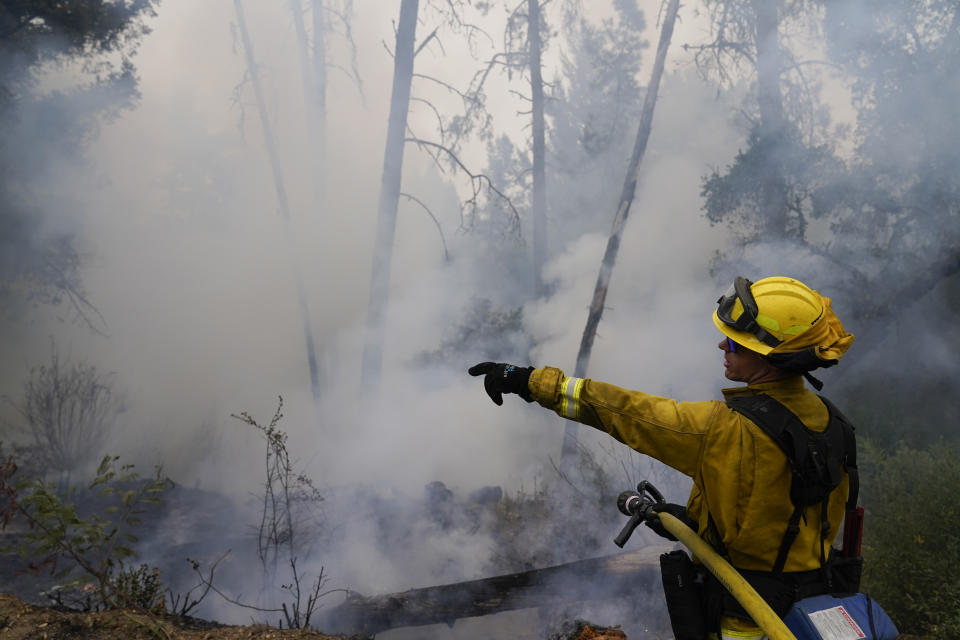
569	449
313	96
282	199
539	148
772	129
320	94
389	193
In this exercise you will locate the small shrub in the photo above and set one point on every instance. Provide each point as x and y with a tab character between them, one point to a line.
569	515
89	550
67	410
289	497
911	542
142	587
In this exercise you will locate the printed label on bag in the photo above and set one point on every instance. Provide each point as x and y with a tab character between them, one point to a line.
836	624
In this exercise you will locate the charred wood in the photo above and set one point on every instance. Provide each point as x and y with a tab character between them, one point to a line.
597	579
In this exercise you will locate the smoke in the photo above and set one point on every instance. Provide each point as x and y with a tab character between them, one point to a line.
187	260
188	263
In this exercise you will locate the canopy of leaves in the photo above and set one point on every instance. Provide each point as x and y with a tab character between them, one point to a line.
903	56
593	120
807	175
888	212
91	42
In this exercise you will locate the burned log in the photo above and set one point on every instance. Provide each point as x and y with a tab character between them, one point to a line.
595	579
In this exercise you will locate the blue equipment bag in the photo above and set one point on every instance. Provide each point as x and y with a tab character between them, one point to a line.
854	617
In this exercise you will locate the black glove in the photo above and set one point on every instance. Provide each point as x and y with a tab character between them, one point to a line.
673	509
500	378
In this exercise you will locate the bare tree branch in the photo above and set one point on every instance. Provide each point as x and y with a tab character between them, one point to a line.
443	240
467	98
426	41
81	306
477	180
436	113
454	18
344	18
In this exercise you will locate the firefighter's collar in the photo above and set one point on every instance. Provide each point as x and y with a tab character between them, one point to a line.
793	383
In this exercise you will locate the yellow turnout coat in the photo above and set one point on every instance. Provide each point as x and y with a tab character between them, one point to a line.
740	476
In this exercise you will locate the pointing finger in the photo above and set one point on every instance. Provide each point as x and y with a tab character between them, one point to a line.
481	369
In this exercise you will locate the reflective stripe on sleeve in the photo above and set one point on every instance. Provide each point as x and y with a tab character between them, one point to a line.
570	400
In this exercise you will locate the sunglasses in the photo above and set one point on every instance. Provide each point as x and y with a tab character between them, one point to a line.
731	345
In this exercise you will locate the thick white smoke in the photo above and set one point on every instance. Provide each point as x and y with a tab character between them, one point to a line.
192	270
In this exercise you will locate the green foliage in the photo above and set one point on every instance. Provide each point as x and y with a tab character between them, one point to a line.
903	60
886	208
600	102
92	43
593	119
89	550
35	31
917	416
141	586
911	542
807	175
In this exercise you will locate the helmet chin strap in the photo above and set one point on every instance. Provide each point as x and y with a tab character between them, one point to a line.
815	382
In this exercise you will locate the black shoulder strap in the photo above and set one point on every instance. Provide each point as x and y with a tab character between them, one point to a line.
774	419
790	434
849	450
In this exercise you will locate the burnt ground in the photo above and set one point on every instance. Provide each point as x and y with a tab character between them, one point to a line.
22	621
178	528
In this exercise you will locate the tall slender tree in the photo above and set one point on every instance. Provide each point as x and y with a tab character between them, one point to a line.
443	149
319	90
538	132
328	17
389	192
314	92
771	126
569	448
282	199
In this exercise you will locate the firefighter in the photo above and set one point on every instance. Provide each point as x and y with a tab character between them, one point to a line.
775	332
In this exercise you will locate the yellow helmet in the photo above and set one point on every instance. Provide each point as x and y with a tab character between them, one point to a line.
782	316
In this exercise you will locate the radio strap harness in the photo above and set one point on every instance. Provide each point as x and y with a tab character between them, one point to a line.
817	460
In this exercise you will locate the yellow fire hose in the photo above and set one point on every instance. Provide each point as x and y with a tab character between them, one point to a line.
731	579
